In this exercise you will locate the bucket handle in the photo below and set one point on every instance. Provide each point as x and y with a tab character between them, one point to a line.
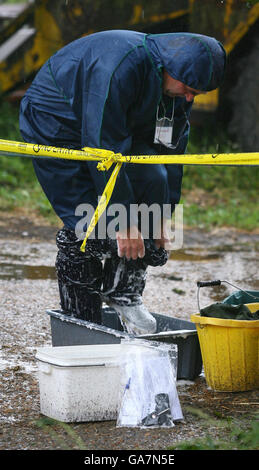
216	283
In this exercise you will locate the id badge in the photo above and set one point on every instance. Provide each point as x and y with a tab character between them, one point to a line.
163	133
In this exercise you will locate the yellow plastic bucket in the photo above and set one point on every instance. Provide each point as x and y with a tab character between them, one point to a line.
230	352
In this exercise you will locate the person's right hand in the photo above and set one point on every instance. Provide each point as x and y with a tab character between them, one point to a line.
130	243
164	239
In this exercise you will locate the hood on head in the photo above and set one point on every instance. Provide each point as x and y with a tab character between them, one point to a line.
196	60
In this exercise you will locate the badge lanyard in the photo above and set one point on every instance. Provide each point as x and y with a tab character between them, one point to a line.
165	127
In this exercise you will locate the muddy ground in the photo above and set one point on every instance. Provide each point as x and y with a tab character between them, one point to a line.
28	287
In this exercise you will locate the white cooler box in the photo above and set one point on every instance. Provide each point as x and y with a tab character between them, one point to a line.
81	383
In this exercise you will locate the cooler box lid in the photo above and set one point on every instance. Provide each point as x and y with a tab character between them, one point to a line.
89	355
75	356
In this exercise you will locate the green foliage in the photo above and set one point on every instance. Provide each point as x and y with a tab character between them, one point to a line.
14	171
63	434
237	436
239	212
247	439
228	195
16	1
9	121
208	140
18	184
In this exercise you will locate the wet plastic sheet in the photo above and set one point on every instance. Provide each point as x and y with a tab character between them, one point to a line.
242	297
150	397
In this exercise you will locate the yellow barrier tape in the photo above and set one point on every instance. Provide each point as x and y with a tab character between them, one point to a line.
38	150
106	158
103	202
229	159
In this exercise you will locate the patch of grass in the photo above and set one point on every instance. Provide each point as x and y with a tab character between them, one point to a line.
219	195
62	434
179	291
235	436
19	186
16	1
236	210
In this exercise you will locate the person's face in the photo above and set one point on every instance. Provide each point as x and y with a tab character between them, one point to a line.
174	88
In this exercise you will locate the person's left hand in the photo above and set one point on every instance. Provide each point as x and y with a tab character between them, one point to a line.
163	241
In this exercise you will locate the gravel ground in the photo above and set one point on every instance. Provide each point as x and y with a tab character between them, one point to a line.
28	287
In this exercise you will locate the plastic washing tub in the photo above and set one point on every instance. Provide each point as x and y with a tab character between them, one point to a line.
230	352
69	331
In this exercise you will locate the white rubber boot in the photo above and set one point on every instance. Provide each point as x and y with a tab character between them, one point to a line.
135	319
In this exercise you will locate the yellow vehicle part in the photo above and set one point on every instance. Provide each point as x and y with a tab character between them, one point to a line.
57	22
140	17
231	34
33	54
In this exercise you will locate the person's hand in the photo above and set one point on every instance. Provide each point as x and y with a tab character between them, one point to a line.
164	240
130	243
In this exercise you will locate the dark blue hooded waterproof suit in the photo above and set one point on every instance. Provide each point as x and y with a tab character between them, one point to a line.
103	91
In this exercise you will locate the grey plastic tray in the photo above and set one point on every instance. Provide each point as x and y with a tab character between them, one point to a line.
70	331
